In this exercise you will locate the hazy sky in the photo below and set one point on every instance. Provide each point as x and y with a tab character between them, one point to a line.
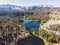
55	3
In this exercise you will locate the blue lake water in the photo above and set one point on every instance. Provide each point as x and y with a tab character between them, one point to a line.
31	40
31	25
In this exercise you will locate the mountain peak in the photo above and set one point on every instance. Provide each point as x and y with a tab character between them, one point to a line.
14	7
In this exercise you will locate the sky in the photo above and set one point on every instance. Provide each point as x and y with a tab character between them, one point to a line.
55	3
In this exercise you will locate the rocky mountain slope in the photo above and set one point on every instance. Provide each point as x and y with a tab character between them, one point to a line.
55	14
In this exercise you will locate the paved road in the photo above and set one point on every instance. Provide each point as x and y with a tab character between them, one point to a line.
46	26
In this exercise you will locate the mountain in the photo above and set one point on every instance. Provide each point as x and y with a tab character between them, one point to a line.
55	14
14	10
22	8
40	7
10	7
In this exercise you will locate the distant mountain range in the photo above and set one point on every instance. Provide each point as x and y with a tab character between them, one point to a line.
22	8
11	7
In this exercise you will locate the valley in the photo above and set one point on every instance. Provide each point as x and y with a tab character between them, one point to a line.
18	26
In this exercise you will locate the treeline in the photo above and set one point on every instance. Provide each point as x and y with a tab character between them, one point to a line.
49	36
55	27
15	13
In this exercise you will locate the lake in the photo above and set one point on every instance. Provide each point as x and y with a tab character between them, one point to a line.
31	40
31	25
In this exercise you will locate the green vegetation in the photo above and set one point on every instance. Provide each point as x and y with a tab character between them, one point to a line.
43	19
55	27
12	28
49	37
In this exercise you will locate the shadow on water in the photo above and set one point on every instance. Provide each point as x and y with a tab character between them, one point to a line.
1	43
31	40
